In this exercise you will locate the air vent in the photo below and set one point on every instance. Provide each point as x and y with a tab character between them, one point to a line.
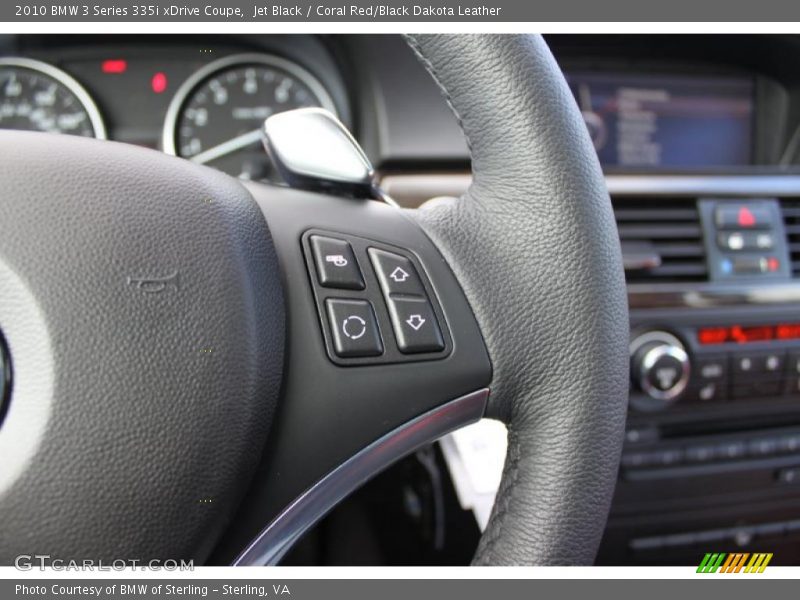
662	240
791	222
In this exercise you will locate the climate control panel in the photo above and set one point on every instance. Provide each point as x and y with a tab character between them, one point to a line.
692	366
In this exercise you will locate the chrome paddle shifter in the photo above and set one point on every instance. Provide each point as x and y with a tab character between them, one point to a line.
313	150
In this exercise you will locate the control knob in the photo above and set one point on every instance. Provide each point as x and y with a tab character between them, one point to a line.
660	366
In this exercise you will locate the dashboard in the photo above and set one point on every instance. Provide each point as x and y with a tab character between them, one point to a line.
690	107
699	137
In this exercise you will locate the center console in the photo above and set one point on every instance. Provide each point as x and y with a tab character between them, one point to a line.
711	460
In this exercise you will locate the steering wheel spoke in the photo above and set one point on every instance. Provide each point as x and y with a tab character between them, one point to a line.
384	355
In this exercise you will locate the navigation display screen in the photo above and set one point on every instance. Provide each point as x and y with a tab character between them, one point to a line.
663	121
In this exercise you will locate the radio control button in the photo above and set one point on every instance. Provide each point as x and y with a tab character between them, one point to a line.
709	378
665	372
762	446
668	457
730	450
709	391
789	443
743	364
773	362
660	366
746	364
638	459
698	454
711	368
789	475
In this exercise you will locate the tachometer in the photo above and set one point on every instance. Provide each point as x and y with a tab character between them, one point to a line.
40	97
217	114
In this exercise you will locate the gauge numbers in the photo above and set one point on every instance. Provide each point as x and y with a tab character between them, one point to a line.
216	116
36	96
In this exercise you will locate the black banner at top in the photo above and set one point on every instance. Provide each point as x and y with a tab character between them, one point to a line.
411	11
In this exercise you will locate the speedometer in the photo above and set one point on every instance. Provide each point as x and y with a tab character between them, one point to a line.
217	114
39	97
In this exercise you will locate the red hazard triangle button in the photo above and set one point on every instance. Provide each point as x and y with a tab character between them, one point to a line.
746	217
756	215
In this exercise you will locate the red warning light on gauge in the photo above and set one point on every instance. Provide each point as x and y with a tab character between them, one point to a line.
114	66
158	83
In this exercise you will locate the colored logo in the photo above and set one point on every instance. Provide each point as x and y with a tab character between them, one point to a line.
737	562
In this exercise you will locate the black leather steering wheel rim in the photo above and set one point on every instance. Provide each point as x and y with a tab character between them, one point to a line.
550	260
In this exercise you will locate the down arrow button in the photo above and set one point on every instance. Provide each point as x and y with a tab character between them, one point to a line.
415	325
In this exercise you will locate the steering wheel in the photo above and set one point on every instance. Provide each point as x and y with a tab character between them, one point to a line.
201	366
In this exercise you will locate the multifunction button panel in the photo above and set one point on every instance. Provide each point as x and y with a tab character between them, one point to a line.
745	239
375	303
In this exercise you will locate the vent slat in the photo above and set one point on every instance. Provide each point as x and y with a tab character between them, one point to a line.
659	231
791	212
655	214
661	239
682	249
680	270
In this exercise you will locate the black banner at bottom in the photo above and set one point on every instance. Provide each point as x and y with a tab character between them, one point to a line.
707	586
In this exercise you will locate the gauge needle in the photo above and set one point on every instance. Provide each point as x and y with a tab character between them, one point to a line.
232	145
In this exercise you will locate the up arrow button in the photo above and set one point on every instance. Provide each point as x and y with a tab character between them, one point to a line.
396	274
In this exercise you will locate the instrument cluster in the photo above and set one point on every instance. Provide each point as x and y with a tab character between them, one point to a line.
207	110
